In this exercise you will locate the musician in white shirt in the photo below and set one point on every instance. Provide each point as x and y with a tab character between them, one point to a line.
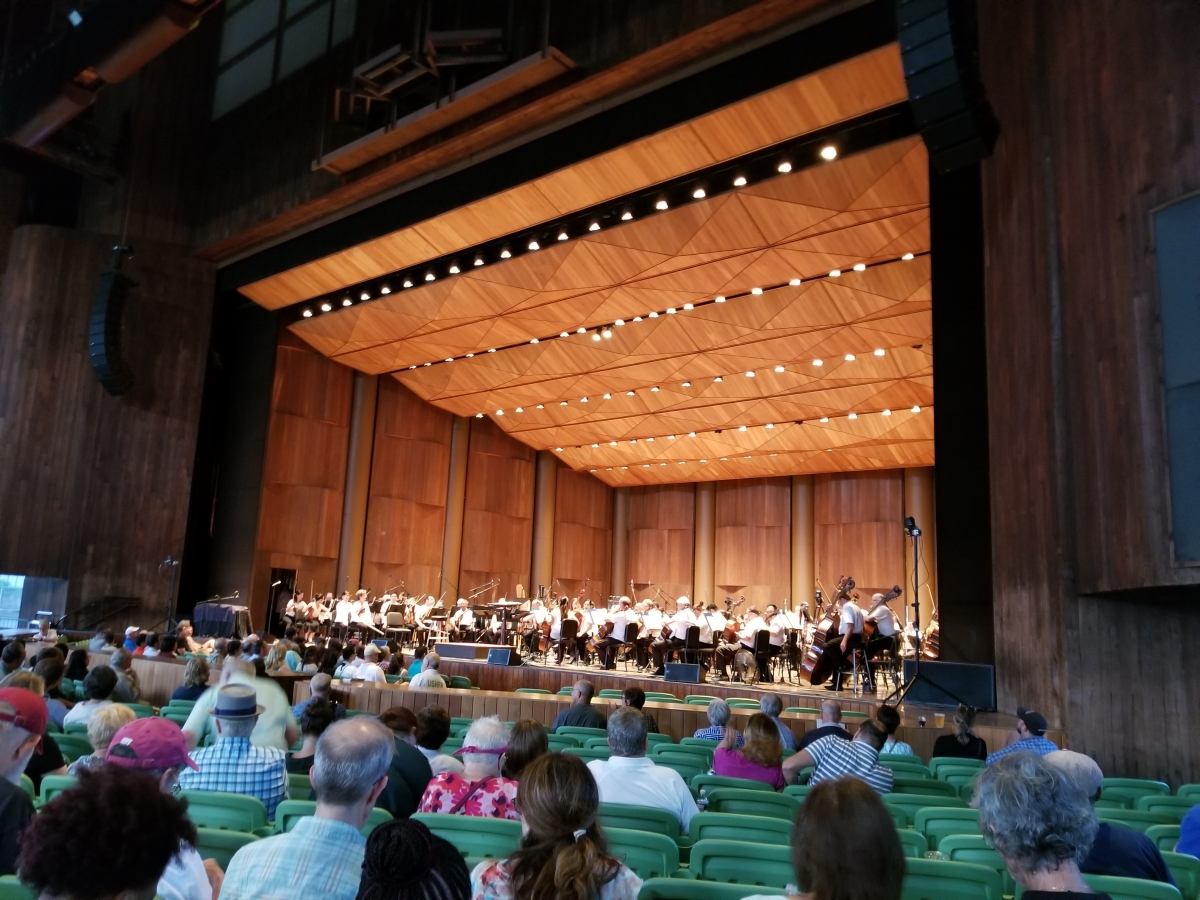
341	613
726	652
618	621
462	621
712	624
851	630
679	624
652	625
887	629
531	624
360	610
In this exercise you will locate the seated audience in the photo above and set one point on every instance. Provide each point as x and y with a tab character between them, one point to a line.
104	862
195	680
719	715
963	744
428	677
526	742
772	705
563	855
49	760
889	718
128	689
405	860
51	670
1030	737
348	664
219	652
835	757
104	724
1189	833
276	724
77	664
1115	851
291	656
629	776
761	756
480	790
418	660
433	729
131	634
140	643
319	689
369	670
314	720
185	635
829	724
23	719
1040	822
233	764
12	657
409	773
580	713
97	689
102	642
636	697
167	645
150	650
321	858
275	662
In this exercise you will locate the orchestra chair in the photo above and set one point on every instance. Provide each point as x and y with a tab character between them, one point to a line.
289	812
762	653
1185	869
394	626
913	843
638	818
909	804
734	827
647	854
213	843
227	812
753	803
476	837
682	889
1172	806
973	848
629	643
690	651
568	632
1164	837
715	781
939	822
742	863
941	879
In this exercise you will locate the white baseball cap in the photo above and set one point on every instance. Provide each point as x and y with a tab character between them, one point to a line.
132	629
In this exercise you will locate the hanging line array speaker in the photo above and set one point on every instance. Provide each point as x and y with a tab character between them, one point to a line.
104	327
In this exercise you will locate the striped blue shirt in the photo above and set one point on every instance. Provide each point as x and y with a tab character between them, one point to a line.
319	859
716	733
835	757
236	766
1035	744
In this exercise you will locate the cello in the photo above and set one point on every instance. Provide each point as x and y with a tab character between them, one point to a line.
817	665
869	625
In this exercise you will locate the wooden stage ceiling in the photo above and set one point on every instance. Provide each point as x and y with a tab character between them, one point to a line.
782	327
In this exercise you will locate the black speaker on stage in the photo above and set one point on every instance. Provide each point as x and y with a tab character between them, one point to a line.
686	673
503	656
973	684
104	327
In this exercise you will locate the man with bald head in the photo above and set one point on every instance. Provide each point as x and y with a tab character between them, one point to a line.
580	713
830	724
319	689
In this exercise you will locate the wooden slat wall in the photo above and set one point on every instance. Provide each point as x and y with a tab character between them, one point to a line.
754	524
498	525
661	548
407	507
857	518
304	474
582	532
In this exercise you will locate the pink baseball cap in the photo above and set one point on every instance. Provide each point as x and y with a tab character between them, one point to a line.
29	710
150	743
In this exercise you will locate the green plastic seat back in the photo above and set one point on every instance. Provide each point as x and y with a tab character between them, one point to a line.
732	827
592	743
905	764
929	787
681	889
957	775
12	889
653	740
939	879
565	691
687	770
938	822
531	691
180	704
1165	837
698	700
1172	806
141	710
77	728
973	848
53	785
393	679
753	803
708	782
461	682
649	855
475	836
661	696
803	710
1136	819
587	754
698	756
910	803
1115	802
212	843
799	791
178	716
1132	888
559	742
611	694
742	704
582	732
226	812
913	843
699	742
452	744
461	720
854	714
1186	871
1188	790
638	818
299	786
1142	785
939	762
739	862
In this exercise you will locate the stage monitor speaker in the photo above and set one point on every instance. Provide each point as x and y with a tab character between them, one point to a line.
686	673
503	656
975	685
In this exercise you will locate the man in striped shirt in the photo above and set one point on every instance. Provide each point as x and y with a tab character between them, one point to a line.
836	757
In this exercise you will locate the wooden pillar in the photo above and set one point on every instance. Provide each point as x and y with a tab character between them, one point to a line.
705	552
918	503
545	482
358	481
620	542
804	569
456	499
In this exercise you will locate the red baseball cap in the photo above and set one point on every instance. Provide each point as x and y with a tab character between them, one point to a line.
149	743
29	710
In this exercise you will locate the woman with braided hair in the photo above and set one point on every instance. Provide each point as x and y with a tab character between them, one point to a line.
404	861
563	854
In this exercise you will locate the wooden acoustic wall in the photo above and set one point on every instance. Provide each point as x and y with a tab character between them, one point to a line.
753	552
857	519
582	533
661	534
304	474
406	514
95	488
498	523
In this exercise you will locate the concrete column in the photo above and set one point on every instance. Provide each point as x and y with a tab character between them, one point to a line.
704	556
456	499
358	481
918	503
619	564
541	567
804	563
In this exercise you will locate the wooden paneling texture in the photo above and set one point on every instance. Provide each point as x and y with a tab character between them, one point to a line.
1097	104
304	474
661	529
582	532
754	527
406	515
95	488
858	520
498	522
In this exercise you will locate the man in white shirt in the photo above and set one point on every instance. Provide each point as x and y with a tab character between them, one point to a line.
531	624
680	623
851	630
712	624
341	612
652	625
618	619
886	628
462	621
369	670
629	777
360	610
428	677
725	652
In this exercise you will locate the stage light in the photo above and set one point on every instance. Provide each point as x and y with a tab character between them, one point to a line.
860	267
479	260
470	355
540	406
691	434
499	412
562	402
595	226
633	441
849	357
629	393
626	216
581	330
649	440
595	335
718	380
558	449
449	359
562	235
688	306
307	314
583	400
607	332
687	384
719	298
784	167
645	465
519	409
534	245
412	367
742	428
533	340
852	416
385	290
623	468
779	369
612	443
565	334
661	204
670	437
505	253
491	350
724	459
740	181
906	257
652	315
654	390
824	418
407	283
608	396
829	152
637	318
770	425
363	296
818	362
454	269
347	302
795	282
698	193
594	446
756	290
428	364
670	310
429	276
835	273
916	409
886	412
879	351
749	373
325	307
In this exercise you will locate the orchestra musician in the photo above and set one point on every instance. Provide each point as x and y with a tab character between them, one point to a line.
745	640
652	621
676	638
617	622
777	627
712	623
851	630
531	625
420	613
887	629
462	622
341	612
293	612
360	610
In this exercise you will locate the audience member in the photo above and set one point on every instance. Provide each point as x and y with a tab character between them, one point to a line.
409	774
829	724
315	719
563	854
49	760
428	677
195	680
233	764
629	776
418	660
319	688
100	730
276	725
150	650
1189	833
1030	737
772	705
433	729
185	635
761	757
102	642
404	861
838	758
480	790
322	856
77	664
369	671
719	715
23	719
634	696
97	689
131	634
140	643
68	854
580	713
526	742
963	744
51	670
291	657
128	689
166	647
276	660
889	718
219	652
12	657
1040	822
348	664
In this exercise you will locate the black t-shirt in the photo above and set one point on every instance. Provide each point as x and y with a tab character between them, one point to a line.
408	777
299	765
16	810
579	715
948	745
1126	854
49	761
823	731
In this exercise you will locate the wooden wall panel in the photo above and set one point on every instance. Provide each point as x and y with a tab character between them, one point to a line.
498	523
661	536
582	532
753	552
406	515
858	520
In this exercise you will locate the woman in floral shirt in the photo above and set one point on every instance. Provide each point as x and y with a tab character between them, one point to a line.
480	790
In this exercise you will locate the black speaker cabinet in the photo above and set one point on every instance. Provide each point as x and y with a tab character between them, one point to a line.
686	673
974	685
104	332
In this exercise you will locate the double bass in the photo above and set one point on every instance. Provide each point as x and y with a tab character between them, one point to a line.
817	665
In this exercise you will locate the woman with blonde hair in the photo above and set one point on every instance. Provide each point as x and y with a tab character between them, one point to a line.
106	722
761	759
964	743
276	659
195	680
563	855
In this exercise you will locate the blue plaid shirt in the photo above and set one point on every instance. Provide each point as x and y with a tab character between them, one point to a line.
716	733
1039	746
319	859
236	766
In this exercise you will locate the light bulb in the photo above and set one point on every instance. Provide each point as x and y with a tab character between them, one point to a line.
849	357
742	428
534	245
661	204
687	384
688	306
719	299
740	181
637	318
879	351
595	226
385	290
824	418
691	434
505	253
784	167
770	425
829	152
363	296
583	400
607	332
608	396
491	349
756	290
499	412
653	315
629	393
454	270
479	260
795	282
860	267
565	334
619	322
654	390
750	373
818	362
670	310
779	368
519	409
906	257
626	216
718	379
449	359
325	307
346	302
429	276
835	273
581	330
407	283
852	416
307	314
562	235
595	335
916	409
698	193
886	412
533	340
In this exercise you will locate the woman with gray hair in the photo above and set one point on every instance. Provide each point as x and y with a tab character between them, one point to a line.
1040	822
718	717
480	790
